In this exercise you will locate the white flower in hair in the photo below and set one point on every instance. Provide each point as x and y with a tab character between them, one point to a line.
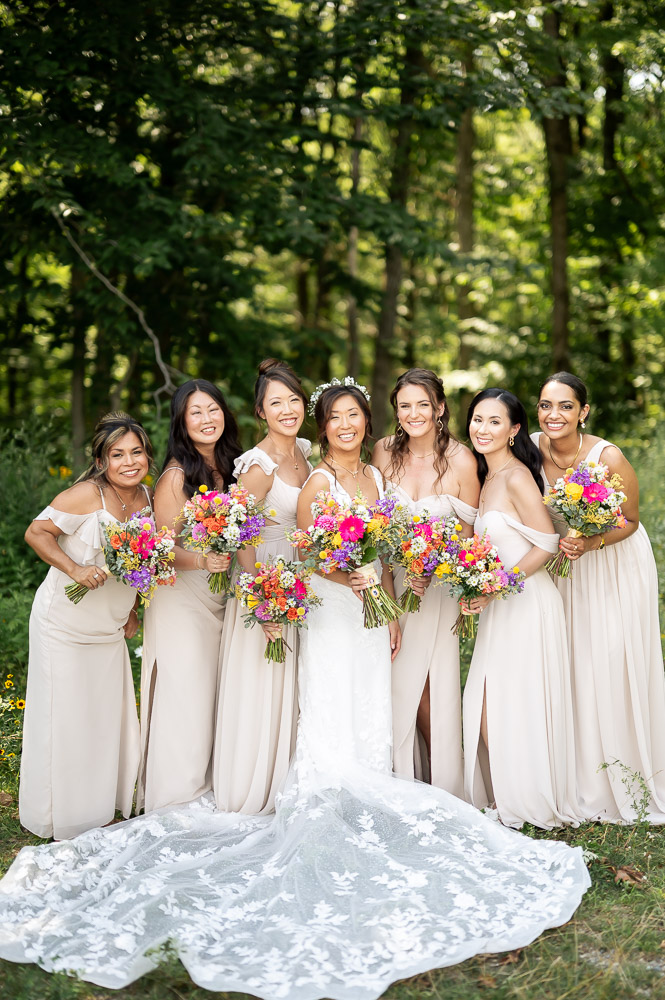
348	380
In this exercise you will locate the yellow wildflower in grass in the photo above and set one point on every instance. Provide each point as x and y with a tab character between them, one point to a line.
20	703
149	480
9	684
64	472
574	491
52	471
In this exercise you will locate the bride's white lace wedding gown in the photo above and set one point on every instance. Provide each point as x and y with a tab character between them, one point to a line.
359	878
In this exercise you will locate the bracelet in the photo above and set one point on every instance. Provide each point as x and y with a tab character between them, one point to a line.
134	612
199	565
602	543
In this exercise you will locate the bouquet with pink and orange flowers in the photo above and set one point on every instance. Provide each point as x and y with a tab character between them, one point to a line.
589	500
472	568
137	555
421	548
223	522
351	537
279	594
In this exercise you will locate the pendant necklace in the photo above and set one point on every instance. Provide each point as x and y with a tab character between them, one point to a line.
488	479
292	458
350	472
123	505
554	461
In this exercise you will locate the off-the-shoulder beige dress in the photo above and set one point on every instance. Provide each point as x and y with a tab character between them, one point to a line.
80	732
179	676
520	665
429	648
610	601
257	708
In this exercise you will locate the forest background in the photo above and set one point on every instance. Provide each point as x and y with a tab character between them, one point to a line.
189	186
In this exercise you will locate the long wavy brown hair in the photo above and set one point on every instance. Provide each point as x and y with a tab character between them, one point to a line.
399	445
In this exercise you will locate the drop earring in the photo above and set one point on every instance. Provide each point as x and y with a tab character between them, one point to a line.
511	441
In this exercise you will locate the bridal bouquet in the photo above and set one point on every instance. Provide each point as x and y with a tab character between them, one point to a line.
137	555
221	522
472	568
421	548
350	537
589	501
279	594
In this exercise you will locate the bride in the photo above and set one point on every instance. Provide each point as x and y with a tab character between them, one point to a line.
358	879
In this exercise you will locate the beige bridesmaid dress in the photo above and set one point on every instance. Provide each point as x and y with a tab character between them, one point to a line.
610	602
182	636
257	708
429	648
520	665
80	731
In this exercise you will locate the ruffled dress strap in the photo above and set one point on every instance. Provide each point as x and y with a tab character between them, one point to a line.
542	539
305	446
86	526
255	456
464	511
324	472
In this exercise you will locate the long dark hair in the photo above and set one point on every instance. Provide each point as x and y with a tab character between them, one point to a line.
523	448
272	370
399	446
180	446
108	431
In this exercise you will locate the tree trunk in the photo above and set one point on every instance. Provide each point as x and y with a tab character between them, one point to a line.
398	190
353	363
79	327
559	150
466	140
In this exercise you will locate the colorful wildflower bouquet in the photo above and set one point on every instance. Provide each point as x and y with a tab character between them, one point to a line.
350	537
589	500
472	568
422	547
137	555
279	594
222	522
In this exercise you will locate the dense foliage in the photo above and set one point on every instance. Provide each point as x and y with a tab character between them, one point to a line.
355	186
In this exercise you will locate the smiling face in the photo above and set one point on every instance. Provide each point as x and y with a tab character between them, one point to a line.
127	462
559	410
346	425
415	412
490	427
282	410
204	419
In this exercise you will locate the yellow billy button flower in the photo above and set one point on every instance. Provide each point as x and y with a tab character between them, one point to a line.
203	488
516	569
416	519
454	538
323	554
458	527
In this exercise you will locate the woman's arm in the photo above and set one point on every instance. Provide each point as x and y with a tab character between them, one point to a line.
42	536
617	463
169	500
257	482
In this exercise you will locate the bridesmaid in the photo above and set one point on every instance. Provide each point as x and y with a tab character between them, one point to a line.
611	606
81	734
429	470
183	624
257	709
518	714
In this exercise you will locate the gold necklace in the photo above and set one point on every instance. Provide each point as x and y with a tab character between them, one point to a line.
281	454
428	455
354	474
488	479
123	505
554	461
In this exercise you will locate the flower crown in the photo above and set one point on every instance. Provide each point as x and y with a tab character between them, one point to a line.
348	380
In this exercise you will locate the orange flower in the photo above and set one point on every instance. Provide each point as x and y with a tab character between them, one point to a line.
281	603
134	545
417	567
292	614
115	541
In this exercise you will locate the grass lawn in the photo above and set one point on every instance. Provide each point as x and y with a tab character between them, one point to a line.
613	948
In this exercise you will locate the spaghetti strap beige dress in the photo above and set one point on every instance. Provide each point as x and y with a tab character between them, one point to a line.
80	732
520	665
610	601
257	708
182	636
429	648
